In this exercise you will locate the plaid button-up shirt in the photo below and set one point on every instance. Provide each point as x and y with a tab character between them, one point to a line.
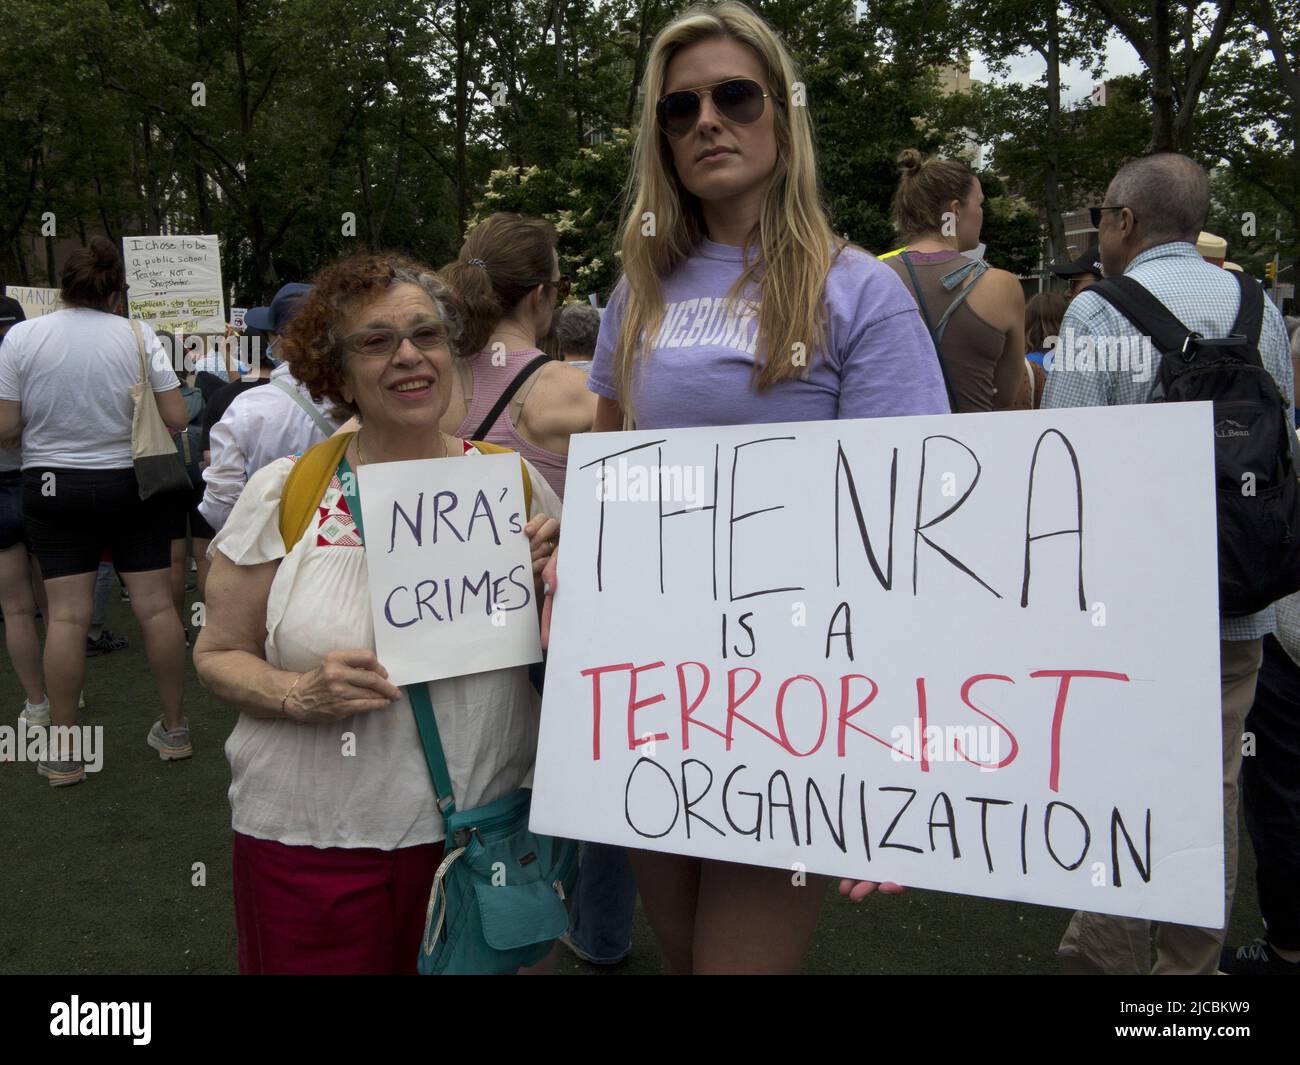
1201	296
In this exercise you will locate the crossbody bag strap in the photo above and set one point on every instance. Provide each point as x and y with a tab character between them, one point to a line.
427	724
315	415
929	325
421	703
502	400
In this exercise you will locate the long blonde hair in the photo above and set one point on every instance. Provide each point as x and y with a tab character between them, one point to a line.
663	221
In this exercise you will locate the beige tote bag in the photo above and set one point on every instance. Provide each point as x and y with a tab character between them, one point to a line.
158	466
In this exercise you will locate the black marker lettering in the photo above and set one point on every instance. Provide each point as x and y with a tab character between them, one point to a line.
1029	513
949	822
788	806
757	830
627	807
884	842
918	532
984	824
688	802
886	579
1047	833
839	836
1116	827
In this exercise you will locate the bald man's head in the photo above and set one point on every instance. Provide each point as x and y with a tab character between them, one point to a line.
1168	194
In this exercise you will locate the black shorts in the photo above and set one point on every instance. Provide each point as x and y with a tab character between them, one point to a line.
72	516
184	515
12	529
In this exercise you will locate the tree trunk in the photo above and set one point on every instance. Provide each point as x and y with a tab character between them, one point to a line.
648	8
20	256
152	205
462	122
367	200
202	210
1051	174
1162	90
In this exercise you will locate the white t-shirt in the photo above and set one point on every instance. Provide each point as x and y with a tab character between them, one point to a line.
292	782
70	371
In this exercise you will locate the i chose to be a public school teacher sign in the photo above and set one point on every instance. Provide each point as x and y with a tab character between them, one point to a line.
973	653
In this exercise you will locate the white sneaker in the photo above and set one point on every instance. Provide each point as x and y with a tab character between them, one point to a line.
35	716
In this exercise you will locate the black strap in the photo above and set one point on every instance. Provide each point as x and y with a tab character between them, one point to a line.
1250	312
507	396
1146	312
929	325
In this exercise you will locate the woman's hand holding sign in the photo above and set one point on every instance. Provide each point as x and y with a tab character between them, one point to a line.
857	890
543	535
548	584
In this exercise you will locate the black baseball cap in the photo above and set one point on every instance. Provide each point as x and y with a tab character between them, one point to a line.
1087	263
11	312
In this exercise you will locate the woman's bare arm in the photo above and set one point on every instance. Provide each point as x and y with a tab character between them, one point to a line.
229	657
609	416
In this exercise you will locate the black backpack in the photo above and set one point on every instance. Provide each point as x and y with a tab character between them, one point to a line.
1254	445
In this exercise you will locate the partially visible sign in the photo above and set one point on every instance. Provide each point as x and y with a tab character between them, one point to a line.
174	283
34	301
237	317
451	576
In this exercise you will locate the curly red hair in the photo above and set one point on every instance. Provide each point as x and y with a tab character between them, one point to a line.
310	343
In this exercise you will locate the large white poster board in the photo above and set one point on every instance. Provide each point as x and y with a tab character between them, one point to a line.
174	283
35	302
451	578
973	653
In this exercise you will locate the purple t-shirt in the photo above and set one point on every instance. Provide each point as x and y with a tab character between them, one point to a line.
881	361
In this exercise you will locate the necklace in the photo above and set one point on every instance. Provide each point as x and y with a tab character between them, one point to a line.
361	460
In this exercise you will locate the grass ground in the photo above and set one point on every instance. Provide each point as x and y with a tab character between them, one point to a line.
103	878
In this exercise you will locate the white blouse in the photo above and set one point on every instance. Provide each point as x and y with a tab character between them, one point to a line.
361	781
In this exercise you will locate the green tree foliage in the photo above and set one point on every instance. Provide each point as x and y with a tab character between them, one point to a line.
300	129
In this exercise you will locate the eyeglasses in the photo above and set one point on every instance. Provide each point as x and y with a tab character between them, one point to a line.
738	100
1094	214
562	288
383	342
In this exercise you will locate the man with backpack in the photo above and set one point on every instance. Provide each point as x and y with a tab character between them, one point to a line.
1215	338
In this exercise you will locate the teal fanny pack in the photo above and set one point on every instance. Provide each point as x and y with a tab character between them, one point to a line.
498	897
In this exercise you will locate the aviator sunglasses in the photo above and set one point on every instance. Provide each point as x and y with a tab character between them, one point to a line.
738	100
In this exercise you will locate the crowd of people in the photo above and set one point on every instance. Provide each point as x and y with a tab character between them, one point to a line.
382	358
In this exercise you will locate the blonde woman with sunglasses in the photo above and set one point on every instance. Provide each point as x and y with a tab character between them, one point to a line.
739	305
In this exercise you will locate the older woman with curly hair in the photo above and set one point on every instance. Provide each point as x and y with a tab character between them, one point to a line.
337	833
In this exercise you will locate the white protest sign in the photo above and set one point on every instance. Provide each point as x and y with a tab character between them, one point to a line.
974	653
451	578
35	302
237	317
174	283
